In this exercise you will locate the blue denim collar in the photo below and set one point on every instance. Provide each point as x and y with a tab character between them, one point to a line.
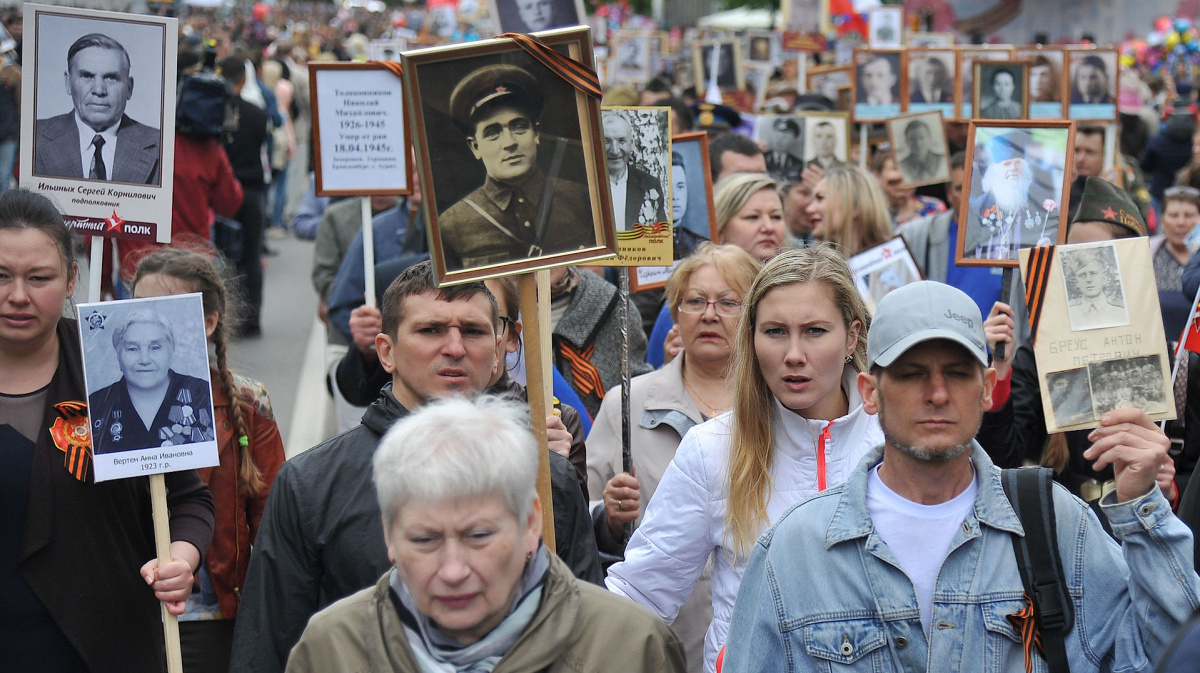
851	519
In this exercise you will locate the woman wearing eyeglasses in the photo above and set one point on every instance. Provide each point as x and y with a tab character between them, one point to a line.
704	295
795	427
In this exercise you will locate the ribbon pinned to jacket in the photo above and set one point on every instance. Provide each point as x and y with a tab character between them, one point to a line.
577	74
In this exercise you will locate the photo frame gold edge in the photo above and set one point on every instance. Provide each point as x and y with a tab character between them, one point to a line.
968	176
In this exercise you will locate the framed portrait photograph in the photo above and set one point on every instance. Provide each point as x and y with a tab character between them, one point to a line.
1045	82
145	365
510	156
932	80
531	16
782	139
763	46
387	50
927	40
631	57
1000	90
920	149
1016	176
830	80
826	139
1092	85
885	27
803	19
966	75
879	270
98	118
722	57
1099	345
879	77
637	143
360	130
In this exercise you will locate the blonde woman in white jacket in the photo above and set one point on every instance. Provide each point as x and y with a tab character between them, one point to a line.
796	428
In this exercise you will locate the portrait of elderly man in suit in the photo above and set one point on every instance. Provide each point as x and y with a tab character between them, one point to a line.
635	193
97	140
519	211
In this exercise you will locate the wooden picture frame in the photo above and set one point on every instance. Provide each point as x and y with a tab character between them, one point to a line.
1086	67
473	239
966	76
880	77
763	46
930	40
885	27
699	220
991	233
933	167
730	77
829	80
987	90
1046	81
631	68
360	129
939	83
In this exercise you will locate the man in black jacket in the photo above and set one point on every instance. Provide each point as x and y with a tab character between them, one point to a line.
245	151
321	536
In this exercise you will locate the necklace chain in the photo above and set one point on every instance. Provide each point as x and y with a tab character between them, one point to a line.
692	391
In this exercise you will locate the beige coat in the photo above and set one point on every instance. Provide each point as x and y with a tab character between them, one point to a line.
578	628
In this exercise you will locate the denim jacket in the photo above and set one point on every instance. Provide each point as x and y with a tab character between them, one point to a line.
822	591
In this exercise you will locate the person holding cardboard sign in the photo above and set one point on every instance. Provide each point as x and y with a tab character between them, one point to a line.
76	591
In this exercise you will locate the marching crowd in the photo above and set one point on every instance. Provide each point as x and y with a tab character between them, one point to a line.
816	484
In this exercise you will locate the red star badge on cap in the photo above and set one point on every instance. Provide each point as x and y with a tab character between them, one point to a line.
501	89
1108	212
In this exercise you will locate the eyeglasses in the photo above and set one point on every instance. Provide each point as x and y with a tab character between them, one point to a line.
518	127
505	322
1182	191
698	305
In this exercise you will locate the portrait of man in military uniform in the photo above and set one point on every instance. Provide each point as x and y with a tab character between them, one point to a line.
523	209
1095	294
151	404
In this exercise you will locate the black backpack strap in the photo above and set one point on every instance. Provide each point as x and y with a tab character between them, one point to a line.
1029	489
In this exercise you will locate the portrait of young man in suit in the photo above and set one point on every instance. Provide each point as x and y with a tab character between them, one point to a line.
97	140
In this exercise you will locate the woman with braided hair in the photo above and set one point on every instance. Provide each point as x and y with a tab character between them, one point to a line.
251	453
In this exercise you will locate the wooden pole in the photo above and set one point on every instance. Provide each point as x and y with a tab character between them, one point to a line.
535	315
162	546
95	269
368	234
862	146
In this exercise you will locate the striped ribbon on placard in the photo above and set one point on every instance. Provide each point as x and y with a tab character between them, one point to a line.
1037	278
394	66
580	76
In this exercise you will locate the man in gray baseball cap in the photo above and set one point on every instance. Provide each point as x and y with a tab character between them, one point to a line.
914	551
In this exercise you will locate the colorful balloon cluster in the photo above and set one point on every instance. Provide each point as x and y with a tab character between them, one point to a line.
1173	43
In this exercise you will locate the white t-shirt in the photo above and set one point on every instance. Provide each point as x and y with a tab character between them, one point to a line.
918	535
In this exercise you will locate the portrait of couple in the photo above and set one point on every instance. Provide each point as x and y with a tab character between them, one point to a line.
104	128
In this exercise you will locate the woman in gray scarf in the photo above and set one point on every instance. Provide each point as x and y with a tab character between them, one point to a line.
473	588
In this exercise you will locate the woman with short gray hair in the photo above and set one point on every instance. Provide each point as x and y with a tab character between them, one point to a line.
473	589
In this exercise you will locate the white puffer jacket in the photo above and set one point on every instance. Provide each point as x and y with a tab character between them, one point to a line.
684	523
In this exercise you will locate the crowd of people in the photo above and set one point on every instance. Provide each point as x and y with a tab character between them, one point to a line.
815	483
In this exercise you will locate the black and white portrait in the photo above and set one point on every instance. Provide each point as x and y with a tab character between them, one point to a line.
1015	191
637	151
826	139
692	215
502	140
885	26
146	367
877	84
631	60
529	16
1044	82
830	81
1095	294
1131	382
99	99
1093	84
919	143
387	50
782	139
966	69
727	58
1000	90
931	81
762	48
1070	397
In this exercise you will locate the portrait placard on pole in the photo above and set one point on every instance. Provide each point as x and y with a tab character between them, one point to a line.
879	270
101	148
360	130
1097	332
145	364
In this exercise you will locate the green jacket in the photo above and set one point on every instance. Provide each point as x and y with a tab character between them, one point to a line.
578	628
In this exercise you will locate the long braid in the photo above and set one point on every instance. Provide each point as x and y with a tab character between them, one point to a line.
200	274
